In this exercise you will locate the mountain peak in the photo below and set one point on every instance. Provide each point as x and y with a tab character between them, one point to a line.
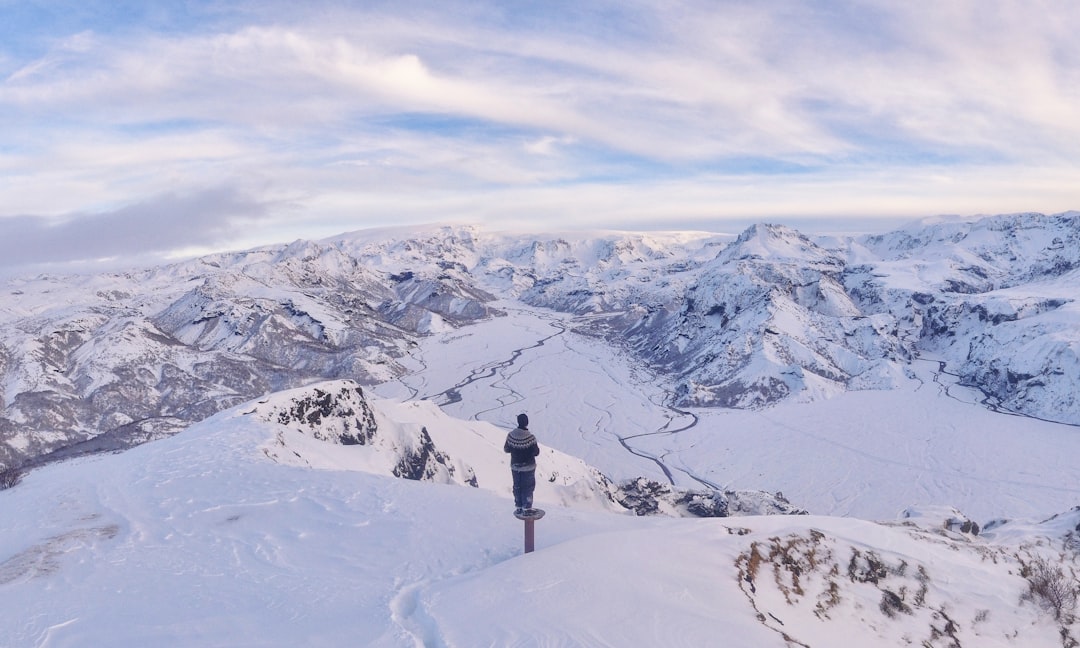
770	242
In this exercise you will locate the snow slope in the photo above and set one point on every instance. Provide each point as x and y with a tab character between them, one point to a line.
204	539
414	440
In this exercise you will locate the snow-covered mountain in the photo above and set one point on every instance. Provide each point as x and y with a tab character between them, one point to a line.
107	361
774	314
103	362
996	298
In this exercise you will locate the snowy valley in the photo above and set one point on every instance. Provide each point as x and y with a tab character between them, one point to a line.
741	322
327	418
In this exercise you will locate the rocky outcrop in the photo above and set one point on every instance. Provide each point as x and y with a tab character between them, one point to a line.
339	415
423	462
648	497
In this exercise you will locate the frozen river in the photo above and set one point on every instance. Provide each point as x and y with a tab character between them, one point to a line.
868	454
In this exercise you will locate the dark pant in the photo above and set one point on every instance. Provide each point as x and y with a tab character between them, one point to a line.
524	484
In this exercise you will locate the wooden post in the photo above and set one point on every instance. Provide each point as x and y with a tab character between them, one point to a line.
530	535
530	526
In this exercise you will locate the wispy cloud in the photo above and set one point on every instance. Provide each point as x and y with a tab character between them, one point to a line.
718	109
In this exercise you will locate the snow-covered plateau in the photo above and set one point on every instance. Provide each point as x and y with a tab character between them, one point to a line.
301	445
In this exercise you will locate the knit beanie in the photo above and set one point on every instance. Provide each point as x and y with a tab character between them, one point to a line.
523	422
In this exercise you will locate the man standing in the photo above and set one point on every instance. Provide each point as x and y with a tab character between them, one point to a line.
523	449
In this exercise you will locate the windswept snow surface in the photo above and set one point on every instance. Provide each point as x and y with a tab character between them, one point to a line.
204	540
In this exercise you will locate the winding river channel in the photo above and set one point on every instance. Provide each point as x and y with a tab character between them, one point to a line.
583	396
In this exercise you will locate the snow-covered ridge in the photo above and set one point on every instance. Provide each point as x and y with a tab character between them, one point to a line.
336	426
416	440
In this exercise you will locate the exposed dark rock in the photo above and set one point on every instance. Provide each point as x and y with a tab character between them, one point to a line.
421	462
649	497
343	417
866	567
892	604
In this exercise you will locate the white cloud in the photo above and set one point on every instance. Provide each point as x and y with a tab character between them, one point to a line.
620	112
547	144
720	81
157	225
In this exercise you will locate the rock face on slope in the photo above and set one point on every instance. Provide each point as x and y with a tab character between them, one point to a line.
648	497
770	315
338	413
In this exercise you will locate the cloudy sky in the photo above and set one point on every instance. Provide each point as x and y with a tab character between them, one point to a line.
141	127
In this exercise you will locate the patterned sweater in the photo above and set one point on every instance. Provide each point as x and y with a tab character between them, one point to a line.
522	446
